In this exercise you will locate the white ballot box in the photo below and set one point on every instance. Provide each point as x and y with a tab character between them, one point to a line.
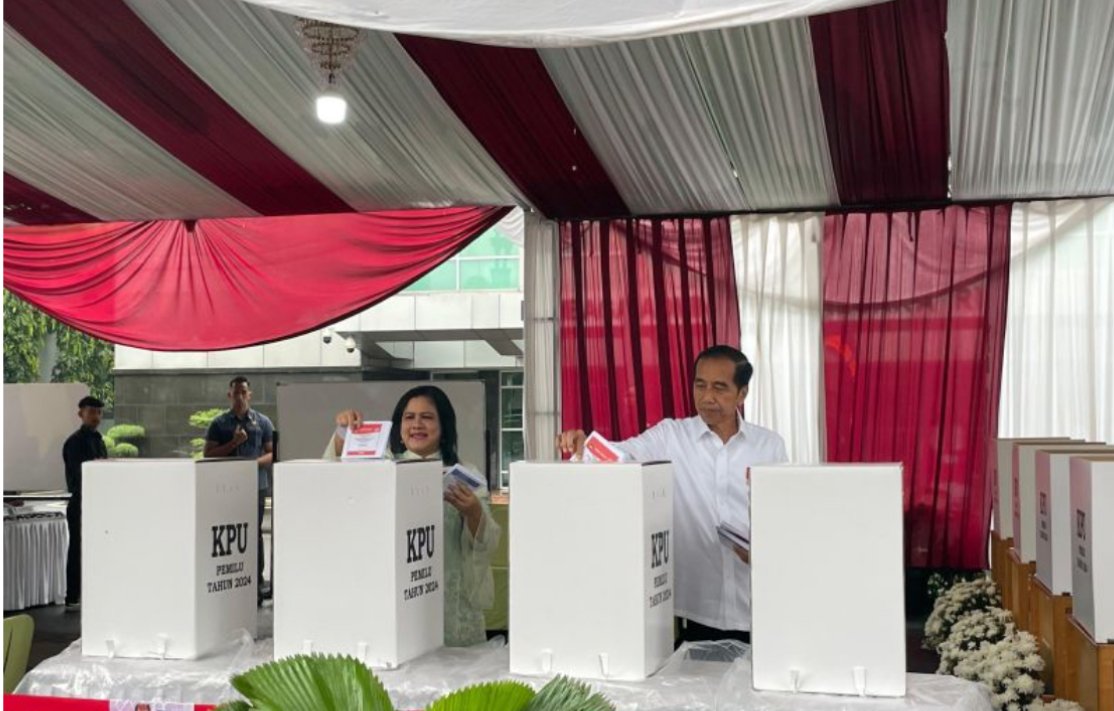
359	559
168	557
827	555
1053	513
591	569
1024	486
1092	585
1002	520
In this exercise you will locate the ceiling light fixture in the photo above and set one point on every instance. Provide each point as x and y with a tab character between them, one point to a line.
331	47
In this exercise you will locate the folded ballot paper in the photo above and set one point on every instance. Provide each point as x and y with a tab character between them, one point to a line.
464	476
598	449
367	441
731	536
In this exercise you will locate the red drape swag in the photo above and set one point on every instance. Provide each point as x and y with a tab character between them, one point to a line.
216	284
639	300
914	328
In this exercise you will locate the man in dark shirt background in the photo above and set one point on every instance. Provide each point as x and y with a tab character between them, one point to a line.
244	432
82	446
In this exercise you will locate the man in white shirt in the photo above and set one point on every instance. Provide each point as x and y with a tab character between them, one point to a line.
711	454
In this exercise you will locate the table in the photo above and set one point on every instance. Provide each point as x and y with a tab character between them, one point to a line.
35	544
705	676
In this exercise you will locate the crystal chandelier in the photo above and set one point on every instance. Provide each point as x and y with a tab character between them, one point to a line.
331	48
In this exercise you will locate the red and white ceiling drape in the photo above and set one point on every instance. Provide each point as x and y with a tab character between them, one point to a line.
130	110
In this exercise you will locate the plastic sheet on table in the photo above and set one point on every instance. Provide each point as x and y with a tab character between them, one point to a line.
202	680
702	676
688	680
924	692
417	683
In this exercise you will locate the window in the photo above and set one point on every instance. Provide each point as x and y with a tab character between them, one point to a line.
492	262
492	274
512	445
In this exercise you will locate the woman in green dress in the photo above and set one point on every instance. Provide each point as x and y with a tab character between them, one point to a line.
424	427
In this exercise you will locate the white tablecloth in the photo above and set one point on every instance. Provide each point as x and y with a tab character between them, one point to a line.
35	560
699	677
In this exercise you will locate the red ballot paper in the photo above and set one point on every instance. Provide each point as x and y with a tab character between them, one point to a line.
368	441
598	449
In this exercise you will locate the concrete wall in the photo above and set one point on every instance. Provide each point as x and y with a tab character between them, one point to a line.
305	351
405	325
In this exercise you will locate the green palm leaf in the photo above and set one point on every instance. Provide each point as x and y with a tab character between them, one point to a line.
312	683
493	696
565	694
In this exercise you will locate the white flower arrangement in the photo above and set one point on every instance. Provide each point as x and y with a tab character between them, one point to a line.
971	632
1010	668
939	583
959	601
1057	705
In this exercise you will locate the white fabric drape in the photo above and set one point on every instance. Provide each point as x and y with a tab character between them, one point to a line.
513	226
62	140
1058	366
543	23
1031	98
717	121
543	366
35	561
402	146
761	88
639	105
777	271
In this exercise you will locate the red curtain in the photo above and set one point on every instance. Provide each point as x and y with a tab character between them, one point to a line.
216	284
914	329
639	300
882	72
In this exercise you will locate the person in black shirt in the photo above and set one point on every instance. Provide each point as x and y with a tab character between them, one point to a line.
82	446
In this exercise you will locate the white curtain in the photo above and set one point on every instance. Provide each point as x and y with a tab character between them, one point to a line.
777	270
544	23
1032	98
1058	367
639	105
761	88
717	121
543	364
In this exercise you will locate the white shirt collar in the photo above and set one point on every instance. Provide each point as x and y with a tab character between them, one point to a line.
701	428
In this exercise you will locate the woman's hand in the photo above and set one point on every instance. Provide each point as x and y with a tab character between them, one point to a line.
346	420
467	503
349	419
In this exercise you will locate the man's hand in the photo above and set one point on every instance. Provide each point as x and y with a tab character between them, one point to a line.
349	419
571	442
743	553
239	436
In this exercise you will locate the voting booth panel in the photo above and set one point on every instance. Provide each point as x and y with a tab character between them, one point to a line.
1002	480
359	559
1024	488
827	554
1053	514
591	569
175	577
1092	501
